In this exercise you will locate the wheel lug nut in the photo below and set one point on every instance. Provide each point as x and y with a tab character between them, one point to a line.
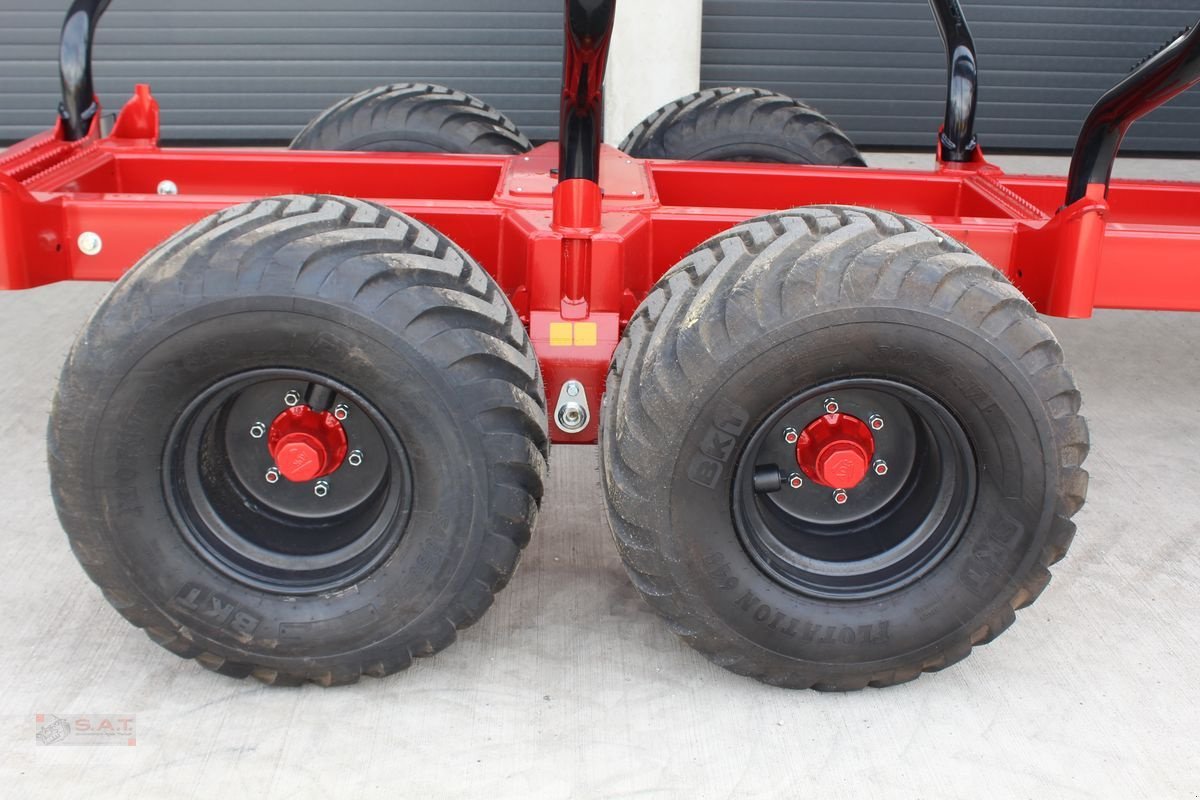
355	458
795	481
272	475
790	436
840	497
258	430
291	398
876	422
321	488
831	406
341	411
880	466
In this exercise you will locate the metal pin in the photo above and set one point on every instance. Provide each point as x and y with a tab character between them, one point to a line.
89	243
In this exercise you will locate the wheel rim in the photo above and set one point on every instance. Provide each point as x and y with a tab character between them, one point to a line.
910	475
239	482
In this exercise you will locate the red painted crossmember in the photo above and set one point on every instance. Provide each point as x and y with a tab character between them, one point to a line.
306	444
835	450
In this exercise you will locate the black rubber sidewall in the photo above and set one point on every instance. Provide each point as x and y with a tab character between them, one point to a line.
736	148
407	142
164	367
987	394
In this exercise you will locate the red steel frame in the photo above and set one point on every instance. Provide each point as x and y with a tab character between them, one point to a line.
576	256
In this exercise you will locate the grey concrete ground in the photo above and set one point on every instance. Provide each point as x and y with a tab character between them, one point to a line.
570	687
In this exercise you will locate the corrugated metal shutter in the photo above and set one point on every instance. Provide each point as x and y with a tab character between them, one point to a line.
877	68
260	69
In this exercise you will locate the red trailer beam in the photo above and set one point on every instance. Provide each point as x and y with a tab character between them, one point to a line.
53	191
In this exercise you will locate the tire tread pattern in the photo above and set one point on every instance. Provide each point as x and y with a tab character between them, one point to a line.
764	272
278	244
464	122
674	130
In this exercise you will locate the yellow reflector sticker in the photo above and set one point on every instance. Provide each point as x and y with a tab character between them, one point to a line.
560	334
585	334
566	334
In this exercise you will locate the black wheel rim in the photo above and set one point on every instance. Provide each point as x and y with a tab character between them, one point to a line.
270	532
891	529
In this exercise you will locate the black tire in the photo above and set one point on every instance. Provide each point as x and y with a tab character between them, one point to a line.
413	118
368	300
741	124
789	303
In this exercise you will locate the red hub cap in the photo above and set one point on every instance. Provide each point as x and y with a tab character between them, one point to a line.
835	450
306	444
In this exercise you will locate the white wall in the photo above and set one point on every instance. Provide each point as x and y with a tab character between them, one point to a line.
654	58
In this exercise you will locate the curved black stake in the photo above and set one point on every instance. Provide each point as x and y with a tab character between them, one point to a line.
1156	80
962	81
78	106
588	26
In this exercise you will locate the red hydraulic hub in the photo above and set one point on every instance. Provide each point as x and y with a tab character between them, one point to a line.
835	450
306	444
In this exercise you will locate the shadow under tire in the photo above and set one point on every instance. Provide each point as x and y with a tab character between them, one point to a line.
413	118
741	124
369	321
778	316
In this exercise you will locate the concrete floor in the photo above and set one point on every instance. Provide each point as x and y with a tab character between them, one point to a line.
570	687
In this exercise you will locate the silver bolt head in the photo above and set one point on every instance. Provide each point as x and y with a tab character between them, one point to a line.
571	388
341	411
572	418
89	243
321	488
790	436
355	458
880	467
272	475
291	398
258	430
831	406
840	497
876	422
167	187
795	481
